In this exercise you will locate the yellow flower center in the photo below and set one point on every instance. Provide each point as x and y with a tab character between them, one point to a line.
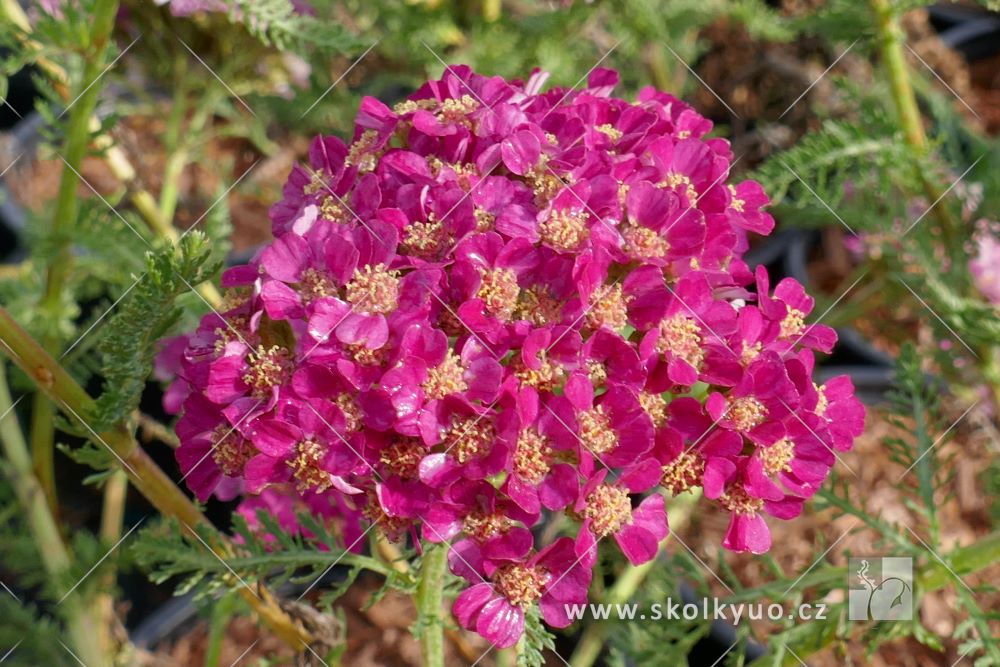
316	284
374	289
538	306
468	438
608	308
331	210
533	456
793	323
654	406
750	352
230	450
446	378
643	243
822	402
683	473
596	431
777	457
317	181
746	413
610	131
309	476
737	500
521	584
268	368
366	356
565	230
597	372
608	508
546	377
681	337
352	413
482	526
679	182
484	219
426	239
409	106
360	153
403	457
457	109
735	203
499	291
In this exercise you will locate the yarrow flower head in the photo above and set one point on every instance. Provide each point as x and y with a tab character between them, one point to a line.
495	300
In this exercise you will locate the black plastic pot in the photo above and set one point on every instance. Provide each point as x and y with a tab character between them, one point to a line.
712	648
770	251
972	31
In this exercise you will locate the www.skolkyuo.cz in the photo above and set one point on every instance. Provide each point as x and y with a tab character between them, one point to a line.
711	609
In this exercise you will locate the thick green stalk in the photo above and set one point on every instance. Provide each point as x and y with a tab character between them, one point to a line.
144	474
67	208
112	521
963	561
218	623
891	38
173	145
430	597
43	437
84	627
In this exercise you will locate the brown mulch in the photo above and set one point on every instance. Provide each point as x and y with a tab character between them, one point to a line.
34	179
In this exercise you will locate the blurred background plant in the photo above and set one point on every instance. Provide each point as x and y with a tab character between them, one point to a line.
131	127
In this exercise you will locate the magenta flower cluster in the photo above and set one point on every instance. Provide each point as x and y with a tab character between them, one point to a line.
498	304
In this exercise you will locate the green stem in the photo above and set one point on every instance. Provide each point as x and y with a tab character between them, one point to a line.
430	597
492	10
962	560
890	41
507	657
176	153
77	138
990	366
67	208
223	611
112	521
43	437
144	474
83	627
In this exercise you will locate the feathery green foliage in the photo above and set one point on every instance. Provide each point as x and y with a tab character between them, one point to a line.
277	23
916	404
143	318
169	551
537	640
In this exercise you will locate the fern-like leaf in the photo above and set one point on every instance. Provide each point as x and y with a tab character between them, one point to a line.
144	317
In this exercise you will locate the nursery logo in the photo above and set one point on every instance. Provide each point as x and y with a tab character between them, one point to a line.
880	589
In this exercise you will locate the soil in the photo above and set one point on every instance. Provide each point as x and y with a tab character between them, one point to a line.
221	162
985	99
761	83
774	90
